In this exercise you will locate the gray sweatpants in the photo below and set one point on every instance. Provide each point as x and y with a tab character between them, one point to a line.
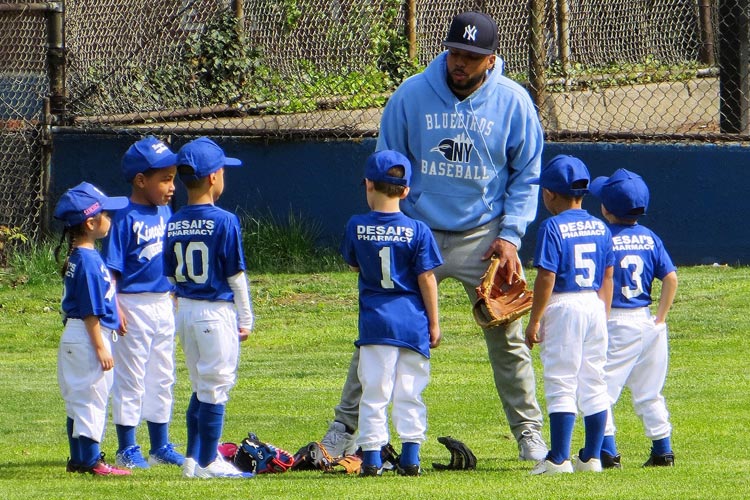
509	356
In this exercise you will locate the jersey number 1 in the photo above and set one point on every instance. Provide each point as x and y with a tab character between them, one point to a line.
385	267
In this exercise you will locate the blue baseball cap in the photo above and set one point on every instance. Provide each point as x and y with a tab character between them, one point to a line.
623	193
205	157
566	175
474	32
83	201
145	154
380	162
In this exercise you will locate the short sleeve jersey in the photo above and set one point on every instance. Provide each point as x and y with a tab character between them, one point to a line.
577	247
88	289
134	247
203	248
391	251
640	257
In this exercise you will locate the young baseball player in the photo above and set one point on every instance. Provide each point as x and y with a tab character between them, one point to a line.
398	313
572	292
84	363
637	354
144	372
203	257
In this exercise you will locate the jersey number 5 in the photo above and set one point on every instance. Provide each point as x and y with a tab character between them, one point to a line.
586	279
196	251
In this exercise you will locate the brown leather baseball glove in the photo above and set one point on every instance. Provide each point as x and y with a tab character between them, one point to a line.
497	301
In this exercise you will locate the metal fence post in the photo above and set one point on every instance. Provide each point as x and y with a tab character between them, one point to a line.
734	74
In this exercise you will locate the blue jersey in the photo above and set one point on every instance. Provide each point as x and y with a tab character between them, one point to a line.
203	248
88	289
640	257
391	251
134	246
577	247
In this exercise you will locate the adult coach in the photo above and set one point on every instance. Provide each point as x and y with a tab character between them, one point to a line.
474	139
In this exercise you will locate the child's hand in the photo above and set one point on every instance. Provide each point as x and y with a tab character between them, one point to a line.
244	333
435	337
532	335
105	358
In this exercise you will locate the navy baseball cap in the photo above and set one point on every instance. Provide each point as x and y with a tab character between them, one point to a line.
623	193
83	201
473	31
205	157
145	154
566	175
380	162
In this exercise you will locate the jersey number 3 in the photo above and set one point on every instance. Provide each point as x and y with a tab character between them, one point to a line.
196	252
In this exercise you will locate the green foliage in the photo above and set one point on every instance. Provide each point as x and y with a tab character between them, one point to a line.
617	74
291	245
10	238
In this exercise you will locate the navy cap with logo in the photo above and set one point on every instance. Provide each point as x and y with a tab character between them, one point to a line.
83	201
564	174
146	154
204	157
474	32
380	162
623	193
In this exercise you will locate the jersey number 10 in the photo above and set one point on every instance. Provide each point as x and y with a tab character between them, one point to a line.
196	251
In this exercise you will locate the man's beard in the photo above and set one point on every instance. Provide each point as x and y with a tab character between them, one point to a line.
466	85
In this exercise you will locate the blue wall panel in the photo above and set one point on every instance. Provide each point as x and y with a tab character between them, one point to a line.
698	192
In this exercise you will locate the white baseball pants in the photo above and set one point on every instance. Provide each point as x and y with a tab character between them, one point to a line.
83	384
574	352
637	357
144	372
210	340
391	373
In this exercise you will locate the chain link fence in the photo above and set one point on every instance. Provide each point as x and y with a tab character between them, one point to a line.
669	70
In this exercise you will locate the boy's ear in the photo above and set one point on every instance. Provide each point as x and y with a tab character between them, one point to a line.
405	193
139	180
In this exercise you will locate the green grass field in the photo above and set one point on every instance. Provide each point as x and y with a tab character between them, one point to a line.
292	370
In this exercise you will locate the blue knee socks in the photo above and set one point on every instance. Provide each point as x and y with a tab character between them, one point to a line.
210	421
372	457
90	452
409	454
158	434
661	446
191	421
594	426
75	445
560	434
125	436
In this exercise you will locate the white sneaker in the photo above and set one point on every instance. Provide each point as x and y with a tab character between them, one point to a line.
549	468
337	441
188	467
220	468
593	465
531	446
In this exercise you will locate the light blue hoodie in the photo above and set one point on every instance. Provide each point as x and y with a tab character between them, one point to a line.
471	159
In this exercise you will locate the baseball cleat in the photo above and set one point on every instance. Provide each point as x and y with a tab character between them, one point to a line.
166	455
409	470
188	467
610	461
665	460
71	467
548	468
531	446
131	458
337	441
102	468
221	469
370	471
592	465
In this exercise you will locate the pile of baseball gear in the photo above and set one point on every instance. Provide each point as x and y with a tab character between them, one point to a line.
314	456
253	455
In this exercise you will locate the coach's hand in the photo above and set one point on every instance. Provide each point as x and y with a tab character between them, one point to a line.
507	254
